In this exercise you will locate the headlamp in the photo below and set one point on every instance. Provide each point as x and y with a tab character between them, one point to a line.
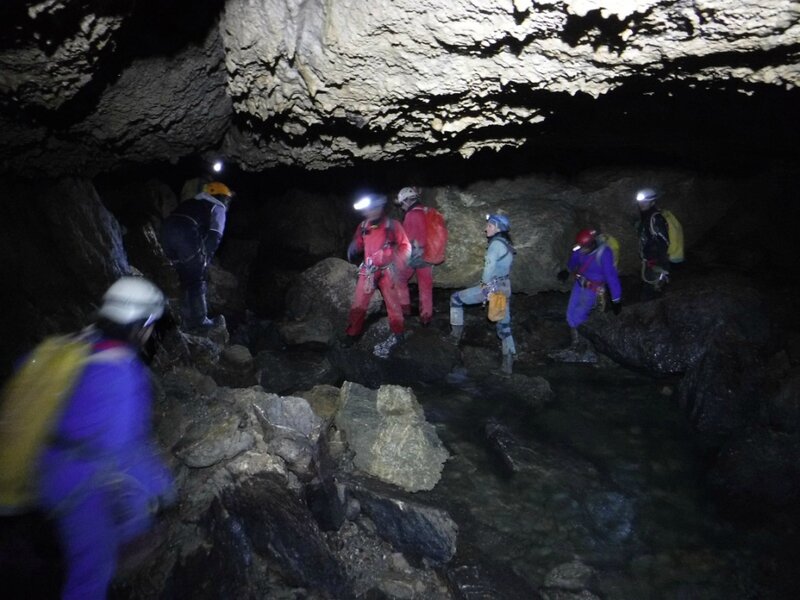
363	204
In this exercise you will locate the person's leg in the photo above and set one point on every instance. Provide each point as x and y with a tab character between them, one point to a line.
391	298
403	295
458	300
358	310
425	284
89	542
509	348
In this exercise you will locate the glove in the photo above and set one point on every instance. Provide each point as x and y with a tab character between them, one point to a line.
353	255
616	307
563	275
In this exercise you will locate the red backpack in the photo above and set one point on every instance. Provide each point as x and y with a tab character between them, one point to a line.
435	237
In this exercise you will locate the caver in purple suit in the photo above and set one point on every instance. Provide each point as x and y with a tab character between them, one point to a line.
100	476
593	272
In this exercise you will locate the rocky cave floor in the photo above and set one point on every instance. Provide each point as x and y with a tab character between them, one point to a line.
565	481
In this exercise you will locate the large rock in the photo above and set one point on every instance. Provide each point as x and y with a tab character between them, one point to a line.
426	355
410	526
317	304
291	430
723	392
670	335
278	526
387	431
287	372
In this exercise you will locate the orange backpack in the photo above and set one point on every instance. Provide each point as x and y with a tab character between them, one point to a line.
435	237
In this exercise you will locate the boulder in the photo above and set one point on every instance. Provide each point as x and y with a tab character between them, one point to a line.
671	334
236	367
388	434
426	355
318	302
410	526
291	431
287	372
277	525
722	393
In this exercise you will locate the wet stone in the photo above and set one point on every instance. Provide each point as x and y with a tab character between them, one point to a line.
398	446
410	526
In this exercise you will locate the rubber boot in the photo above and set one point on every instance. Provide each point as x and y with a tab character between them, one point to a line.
456	331
575	339
200	321
506	366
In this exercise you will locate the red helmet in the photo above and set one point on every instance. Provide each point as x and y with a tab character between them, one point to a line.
585	237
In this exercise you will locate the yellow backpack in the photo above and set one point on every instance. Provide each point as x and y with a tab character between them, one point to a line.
608	240
675	250
30	405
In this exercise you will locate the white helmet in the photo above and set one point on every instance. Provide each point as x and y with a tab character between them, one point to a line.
646	195
132	299
407	196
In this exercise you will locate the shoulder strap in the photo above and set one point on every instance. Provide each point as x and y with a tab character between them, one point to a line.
508	246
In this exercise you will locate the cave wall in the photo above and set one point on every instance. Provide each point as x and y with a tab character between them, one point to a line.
61	249
86	85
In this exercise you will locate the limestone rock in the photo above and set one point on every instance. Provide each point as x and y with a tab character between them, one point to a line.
62	250
387	431
410	526
671	334
291	430
208	443
278	526
318	302
287	372
573	576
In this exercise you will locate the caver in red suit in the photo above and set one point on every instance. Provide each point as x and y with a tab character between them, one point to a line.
385	248
414	224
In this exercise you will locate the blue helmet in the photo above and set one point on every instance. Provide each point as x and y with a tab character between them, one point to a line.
370	202
500	221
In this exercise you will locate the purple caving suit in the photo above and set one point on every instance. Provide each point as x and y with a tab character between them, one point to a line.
597	272
100	476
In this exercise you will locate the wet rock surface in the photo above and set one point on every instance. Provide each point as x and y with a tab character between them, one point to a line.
672	334
387	431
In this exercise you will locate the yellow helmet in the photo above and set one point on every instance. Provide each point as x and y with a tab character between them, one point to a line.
215	188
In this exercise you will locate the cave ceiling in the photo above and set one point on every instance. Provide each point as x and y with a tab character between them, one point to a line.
88	85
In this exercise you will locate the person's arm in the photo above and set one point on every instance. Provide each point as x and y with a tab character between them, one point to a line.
401	247
216	229
610	275
493	254
660	238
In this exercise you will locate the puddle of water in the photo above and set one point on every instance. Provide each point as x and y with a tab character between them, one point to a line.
611	477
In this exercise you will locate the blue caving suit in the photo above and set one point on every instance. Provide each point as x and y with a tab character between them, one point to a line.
190	236
496	273
593	271
100	476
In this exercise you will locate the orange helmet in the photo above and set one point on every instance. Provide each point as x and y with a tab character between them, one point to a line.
216	188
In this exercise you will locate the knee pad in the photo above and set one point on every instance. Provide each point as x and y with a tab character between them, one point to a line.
455	300
503	330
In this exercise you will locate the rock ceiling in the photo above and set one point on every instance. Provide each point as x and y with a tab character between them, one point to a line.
87	85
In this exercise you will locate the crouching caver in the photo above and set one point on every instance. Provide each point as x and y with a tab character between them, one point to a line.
385	247
496	278
190	236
